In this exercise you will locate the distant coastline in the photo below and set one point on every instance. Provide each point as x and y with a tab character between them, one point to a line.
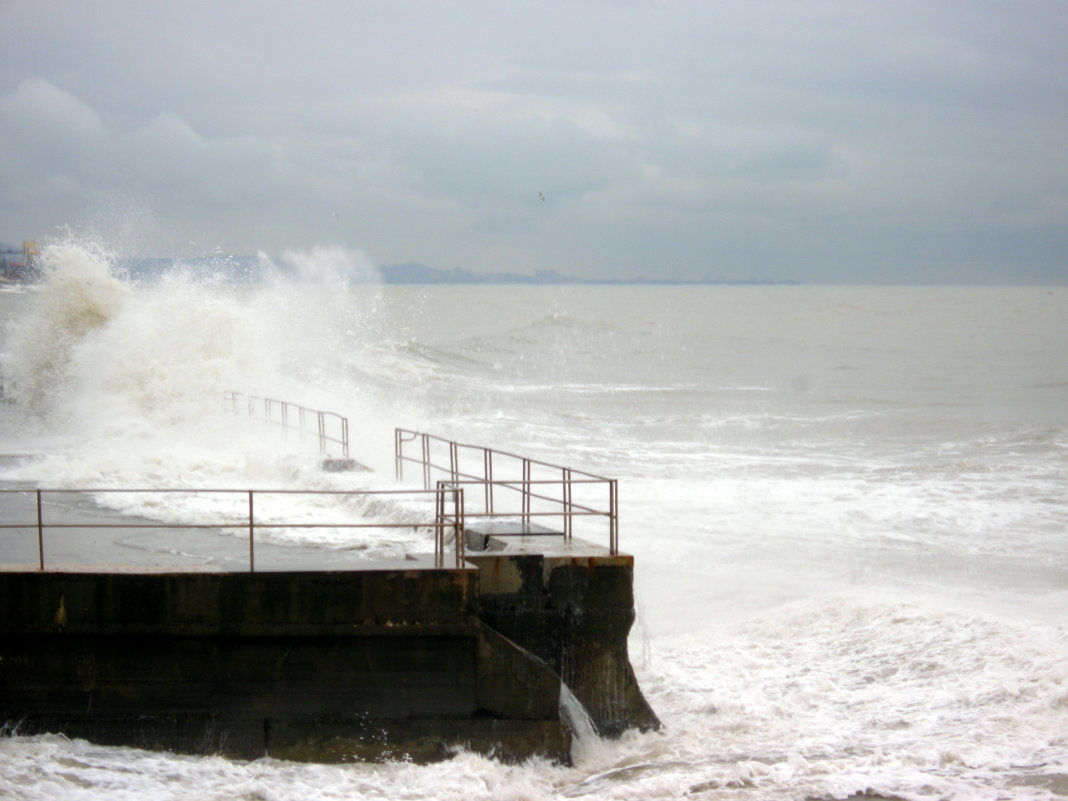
251	268
414	273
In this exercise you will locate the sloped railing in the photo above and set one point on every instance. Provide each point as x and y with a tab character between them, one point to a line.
505	486
330	429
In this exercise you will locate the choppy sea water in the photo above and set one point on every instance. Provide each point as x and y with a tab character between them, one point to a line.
847	506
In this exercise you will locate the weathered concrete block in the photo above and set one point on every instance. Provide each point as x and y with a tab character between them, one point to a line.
572	605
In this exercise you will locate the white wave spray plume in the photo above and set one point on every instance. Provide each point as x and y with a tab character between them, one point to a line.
133	375
80	297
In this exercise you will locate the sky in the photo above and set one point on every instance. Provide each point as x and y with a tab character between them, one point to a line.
818	141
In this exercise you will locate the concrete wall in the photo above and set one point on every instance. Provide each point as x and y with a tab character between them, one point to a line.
327	665
323	666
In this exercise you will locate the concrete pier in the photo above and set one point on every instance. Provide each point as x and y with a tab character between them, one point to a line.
392	660
318	666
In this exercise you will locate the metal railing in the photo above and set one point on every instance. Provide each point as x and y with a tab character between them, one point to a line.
530	488
331	429
448	516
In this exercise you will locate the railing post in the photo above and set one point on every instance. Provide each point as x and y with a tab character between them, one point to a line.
345	437
454	460
322	432
426	461
458	530
40	533
566	493
398	457
613	525
251	537
439	526
526	490
487	476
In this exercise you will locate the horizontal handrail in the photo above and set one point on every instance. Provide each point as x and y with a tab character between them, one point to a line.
281	413
478	466
448	515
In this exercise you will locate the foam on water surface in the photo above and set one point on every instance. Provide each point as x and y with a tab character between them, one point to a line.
820	698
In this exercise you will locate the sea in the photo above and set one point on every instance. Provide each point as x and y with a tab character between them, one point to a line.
847	504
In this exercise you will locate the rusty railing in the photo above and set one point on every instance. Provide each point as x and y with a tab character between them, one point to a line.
448	516
331	429
512	486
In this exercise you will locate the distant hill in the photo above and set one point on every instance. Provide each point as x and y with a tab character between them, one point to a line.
249	268
415	273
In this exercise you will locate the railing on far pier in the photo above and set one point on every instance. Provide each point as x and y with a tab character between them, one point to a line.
448	516
331	429
512	486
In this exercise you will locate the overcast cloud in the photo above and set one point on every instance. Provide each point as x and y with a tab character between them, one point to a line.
827	140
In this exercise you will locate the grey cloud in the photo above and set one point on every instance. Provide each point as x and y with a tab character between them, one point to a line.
814	141
45	128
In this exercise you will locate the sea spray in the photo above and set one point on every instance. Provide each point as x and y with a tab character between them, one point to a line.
125	356
329	266
80	296
130	378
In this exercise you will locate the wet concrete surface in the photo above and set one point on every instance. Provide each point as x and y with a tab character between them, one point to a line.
126	542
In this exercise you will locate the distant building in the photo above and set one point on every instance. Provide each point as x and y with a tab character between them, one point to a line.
20	265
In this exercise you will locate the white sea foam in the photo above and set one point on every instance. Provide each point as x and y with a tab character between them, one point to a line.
821	698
